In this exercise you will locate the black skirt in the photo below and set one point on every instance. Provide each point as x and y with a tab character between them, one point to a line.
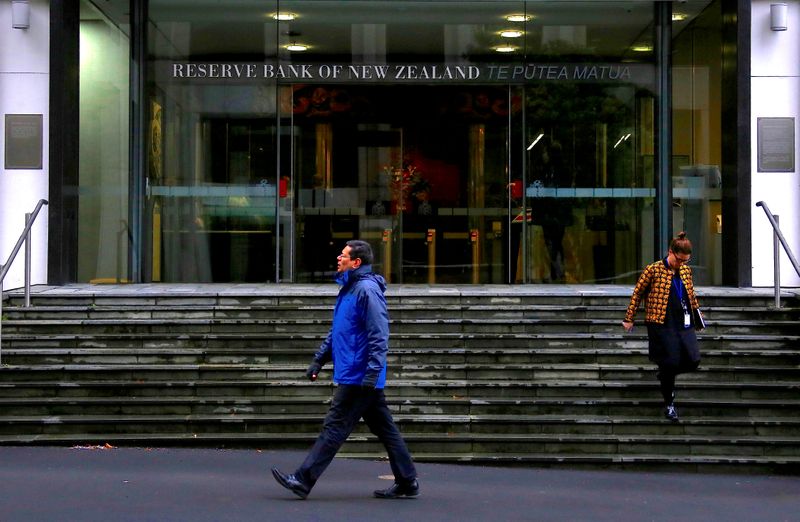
673	347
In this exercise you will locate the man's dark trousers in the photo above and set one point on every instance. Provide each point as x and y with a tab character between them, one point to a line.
351	403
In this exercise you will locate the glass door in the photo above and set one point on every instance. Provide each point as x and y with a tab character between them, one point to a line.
419	171
215	220
589	183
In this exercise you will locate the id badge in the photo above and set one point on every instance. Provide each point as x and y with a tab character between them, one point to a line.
687	320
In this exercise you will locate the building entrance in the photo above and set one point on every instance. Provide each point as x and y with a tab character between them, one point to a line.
451	184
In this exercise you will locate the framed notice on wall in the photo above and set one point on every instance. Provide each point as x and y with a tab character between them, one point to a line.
775	144
23	149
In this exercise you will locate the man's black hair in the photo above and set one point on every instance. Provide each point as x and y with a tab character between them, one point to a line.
360	250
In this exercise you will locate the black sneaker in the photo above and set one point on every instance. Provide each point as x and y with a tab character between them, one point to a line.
671	413
410	490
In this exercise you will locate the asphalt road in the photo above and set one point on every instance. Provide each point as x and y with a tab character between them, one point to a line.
177	484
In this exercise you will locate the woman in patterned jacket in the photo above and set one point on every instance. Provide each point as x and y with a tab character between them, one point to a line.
670	304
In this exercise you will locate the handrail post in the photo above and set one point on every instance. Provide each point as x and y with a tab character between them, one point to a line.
782	239
776	260
26	238
27	261
1	317
778	239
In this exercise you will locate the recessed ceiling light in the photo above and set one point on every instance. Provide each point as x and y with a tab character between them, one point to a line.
511	33
284	17
505	49
296	47
642	48
519	18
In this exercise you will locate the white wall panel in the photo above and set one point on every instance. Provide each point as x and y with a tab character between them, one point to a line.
24	89
775	84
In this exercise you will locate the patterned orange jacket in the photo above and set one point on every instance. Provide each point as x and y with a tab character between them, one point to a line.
653	286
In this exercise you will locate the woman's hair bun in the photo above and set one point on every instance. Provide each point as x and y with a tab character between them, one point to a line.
681	235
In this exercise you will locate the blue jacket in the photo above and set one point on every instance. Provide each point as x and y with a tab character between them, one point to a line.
358	340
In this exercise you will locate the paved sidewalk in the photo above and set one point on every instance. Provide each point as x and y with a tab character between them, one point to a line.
160	485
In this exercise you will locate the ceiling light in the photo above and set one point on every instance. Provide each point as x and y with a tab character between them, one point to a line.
511	33
505	48
534	142
678	17
284	17
642	48
621	139
296	47
519	18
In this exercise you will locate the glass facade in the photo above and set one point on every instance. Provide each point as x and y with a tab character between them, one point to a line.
469	142
696	137
104	93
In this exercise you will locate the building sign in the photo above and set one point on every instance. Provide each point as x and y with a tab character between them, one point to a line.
775	144
409	72
23	148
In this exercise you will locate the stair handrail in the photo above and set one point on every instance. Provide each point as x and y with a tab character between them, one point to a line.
25	237
778	237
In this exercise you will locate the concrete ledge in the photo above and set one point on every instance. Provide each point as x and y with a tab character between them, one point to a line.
194	291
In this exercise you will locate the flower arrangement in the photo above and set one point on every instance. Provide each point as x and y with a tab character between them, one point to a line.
405	182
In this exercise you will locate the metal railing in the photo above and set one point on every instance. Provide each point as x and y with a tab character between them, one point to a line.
25	237
778	239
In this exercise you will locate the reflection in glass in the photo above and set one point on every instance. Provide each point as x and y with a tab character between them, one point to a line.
589	186
103	235
213	187
697	175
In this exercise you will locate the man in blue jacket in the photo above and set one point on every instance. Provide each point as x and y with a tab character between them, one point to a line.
357	343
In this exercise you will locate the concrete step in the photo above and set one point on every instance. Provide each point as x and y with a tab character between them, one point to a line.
638	462
444	429
77	373
305	295
422	355
708	463
403	312
661	461
431	339
397	326
637	389
444	435
766	411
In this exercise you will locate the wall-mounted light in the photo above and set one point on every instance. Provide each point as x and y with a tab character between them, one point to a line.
778	13
511	33
642	48
505	48
678	17
20	14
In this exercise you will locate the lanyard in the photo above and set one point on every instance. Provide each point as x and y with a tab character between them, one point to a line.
687	317
678	284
